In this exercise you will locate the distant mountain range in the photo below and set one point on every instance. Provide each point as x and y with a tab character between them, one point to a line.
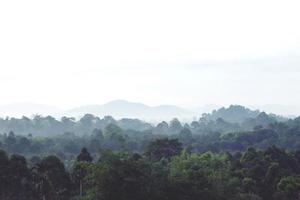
125	109
117	109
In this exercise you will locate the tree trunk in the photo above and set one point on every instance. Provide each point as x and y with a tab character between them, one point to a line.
81	188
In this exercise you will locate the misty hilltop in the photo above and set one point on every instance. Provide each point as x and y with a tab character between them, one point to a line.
230	119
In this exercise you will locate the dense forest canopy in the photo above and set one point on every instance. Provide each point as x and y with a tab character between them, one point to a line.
165	170
255	156
65	137
228	119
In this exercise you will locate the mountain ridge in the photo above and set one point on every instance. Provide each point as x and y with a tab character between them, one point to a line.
127	109
120	109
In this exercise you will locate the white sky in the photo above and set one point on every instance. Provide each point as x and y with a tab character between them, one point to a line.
68	53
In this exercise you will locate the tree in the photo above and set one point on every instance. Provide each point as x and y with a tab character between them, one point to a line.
198	176
288	188
162	128
10	141
84	156
19	178
94	145
185	135
121	177
175	126
55	181
71	147
79	174
96	140
4	175
163	148
97	134
23	145
114	137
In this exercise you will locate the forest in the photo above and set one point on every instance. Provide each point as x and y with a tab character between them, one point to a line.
232	153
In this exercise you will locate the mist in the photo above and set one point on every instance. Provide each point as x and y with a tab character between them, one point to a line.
69	54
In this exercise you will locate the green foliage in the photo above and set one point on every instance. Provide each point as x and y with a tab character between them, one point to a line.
84	156
288	188
215	158
273	174
163	148
121	176
199	175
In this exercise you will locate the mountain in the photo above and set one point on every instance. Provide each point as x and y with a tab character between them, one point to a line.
233	114
27	109
126	109
242	115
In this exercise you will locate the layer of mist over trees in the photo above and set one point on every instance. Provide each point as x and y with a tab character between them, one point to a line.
217	132
231	153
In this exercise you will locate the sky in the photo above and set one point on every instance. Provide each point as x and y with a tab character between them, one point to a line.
68	53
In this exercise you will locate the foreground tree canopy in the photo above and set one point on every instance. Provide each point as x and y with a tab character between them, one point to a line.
230	154
273	174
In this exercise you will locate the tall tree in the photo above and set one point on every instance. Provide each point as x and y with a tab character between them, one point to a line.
163	148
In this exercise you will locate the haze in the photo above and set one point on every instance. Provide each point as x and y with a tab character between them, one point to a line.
187	53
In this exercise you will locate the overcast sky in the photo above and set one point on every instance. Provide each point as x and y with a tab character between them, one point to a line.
68	53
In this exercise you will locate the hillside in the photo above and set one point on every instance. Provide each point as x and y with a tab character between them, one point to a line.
240	114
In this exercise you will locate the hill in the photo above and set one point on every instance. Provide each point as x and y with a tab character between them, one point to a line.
240	114
125	109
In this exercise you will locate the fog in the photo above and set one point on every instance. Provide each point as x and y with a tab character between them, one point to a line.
186	53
